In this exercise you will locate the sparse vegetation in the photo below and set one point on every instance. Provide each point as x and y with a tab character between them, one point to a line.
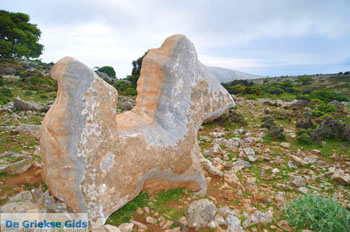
318	214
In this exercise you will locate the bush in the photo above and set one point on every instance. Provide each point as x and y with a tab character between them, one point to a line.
6	92
108	70
331	129
318	214
37	81
130	92
5	95
305	80
316	114
275	90
304	138
327	108
252	90
328	96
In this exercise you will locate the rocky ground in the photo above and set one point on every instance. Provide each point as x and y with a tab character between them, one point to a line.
250	175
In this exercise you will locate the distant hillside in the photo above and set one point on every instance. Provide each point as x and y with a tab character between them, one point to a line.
226	75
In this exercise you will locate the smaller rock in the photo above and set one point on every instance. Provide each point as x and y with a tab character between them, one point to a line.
226	211
111	228
21	105
220	220
239	165
340	178
298	181
13	163
200	213
316	152
285	145
275	170
126	227
208	166
233	224
303	190
256	218
139	225
139	211
151	220
298	161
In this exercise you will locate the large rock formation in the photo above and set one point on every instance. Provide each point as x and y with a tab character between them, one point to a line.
97	161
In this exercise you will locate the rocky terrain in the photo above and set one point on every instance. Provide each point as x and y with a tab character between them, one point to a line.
251	174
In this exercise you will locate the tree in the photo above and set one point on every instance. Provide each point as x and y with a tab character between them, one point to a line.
137	64
136	70
18	37
108	70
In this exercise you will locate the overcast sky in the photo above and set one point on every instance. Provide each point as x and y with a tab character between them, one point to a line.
269	38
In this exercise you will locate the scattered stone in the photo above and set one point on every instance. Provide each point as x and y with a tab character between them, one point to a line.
256	218
340	178
33	130
208	166
231	178
303	190
139	211
200	213
226	211
151	220
126	227
275	170
220	220
298	181
233	224
285	145
21	105
13	163
139	225
111	228
25	202
84	133
298	161
239	165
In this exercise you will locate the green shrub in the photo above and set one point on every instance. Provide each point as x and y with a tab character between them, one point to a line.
305	80
43	96
252	90
1	81
328	96
327	108
318	214
122	85
130	92
5	95
108	70
316	114
304	97
275	90
38	81
28	93
6	92
304	138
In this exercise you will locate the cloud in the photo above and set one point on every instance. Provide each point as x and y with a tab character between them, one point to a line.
244	35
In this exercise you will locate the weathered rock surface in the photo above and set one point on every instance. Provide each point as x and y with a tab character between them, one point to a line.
97	161
200	213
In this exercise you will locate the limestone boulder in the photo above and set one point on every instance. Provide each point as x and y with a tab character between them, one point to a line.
97	161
